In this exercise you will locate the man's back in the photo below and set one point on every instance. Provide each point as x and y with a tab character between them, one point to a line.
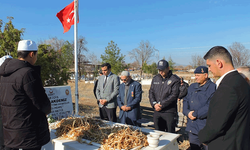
24	105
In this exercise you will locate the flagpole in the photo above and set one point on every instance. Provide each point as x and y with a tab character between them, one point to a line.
76	57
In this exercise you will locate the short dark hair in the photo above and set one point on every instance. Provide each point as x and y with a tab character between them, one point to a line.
24	54
106	64
220	51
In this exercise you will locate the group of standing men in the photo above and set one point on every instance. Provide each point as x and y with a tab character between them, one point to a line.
218	114
110	93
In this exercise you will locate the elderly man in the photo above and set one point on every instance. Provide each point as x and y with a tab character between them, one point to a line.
195	105
128	100
227	126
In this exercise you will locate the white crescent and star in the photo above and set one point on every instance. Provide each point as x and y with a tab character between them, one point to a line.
69	20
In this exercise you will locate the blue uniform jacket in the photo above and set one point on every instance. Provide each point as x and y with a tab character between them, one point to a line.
197	100
133	100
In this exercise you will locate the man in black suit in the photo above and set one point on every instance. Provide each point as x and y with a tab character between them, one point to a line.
96	82
227	126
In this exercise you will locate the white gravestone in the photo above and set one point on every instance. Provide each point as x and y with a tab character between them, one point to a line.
61	101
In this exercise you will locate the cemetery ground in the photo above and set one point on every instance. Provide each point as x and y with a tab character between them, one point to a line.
88	107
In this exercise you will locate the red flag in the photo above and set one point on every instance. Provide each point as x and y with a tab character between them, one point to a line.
66	16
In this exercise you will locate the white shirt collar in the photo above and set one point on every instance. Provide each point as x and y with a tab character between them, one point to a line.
220	79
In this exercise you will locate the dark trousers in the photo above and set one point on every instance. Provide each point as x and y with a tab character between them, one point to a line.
165	121
108	114
195	143
37	148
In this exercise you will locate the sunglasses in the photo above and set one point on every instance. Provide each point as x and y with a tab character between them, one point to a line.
123	79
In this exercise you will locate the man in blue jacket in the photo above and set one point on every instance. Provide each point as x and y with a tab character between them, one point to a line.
129	99
195	105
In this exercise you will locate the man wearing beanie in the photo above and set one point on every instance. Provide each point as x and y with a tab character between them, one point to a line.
129	99
163	95
195	106
23	101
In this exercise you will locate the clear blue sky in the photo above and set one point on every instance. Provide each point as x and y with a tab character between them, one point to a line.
177	28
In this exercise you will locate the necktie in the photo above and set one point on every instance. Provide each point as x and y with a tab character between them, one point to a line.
105	81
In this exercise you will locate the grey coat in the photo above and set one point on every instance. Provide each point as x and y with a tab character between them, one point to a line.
109	92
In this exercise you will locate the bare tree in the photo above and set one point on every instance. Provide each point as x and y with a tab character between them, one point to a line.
55	43
81	58
143	53
94	60
197	60
134	65
240	54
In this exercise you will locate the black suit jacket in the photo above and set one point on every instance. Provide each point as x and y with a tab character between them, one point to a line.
227	126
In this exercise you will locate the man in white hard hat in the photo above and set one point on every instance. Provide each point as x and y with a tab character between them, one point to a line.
23	101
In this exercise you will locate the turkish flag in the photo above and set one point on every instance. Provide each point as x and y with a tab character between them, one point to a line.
66	16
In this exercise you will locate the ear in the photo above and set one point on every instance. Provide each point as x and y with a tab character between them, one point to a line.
219	63
31	54
206	75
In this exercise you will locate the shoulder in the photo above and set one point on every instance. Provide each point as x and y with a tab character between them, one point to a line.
157	77
136	83
233	79
100	77
175	77
211	84
185	83
193	85
114	76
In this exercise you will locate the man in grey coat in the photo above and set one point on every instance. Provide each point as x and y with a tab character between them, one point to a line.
106	93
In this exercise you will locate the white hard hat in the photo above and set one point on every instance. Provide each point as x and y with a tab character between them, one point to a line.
27	45
2	59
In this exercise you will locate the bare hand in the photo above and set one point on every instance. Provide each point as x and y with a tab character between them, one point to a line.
123	108
128	108
190	115
104	101
157	107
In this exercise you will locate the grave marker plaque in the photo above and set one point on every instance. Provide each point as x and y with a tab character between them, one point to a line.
61	101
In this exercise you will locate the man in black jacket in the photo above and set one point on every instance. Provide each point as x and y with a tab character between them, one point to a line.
163	95
183	92
24	102
95	84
